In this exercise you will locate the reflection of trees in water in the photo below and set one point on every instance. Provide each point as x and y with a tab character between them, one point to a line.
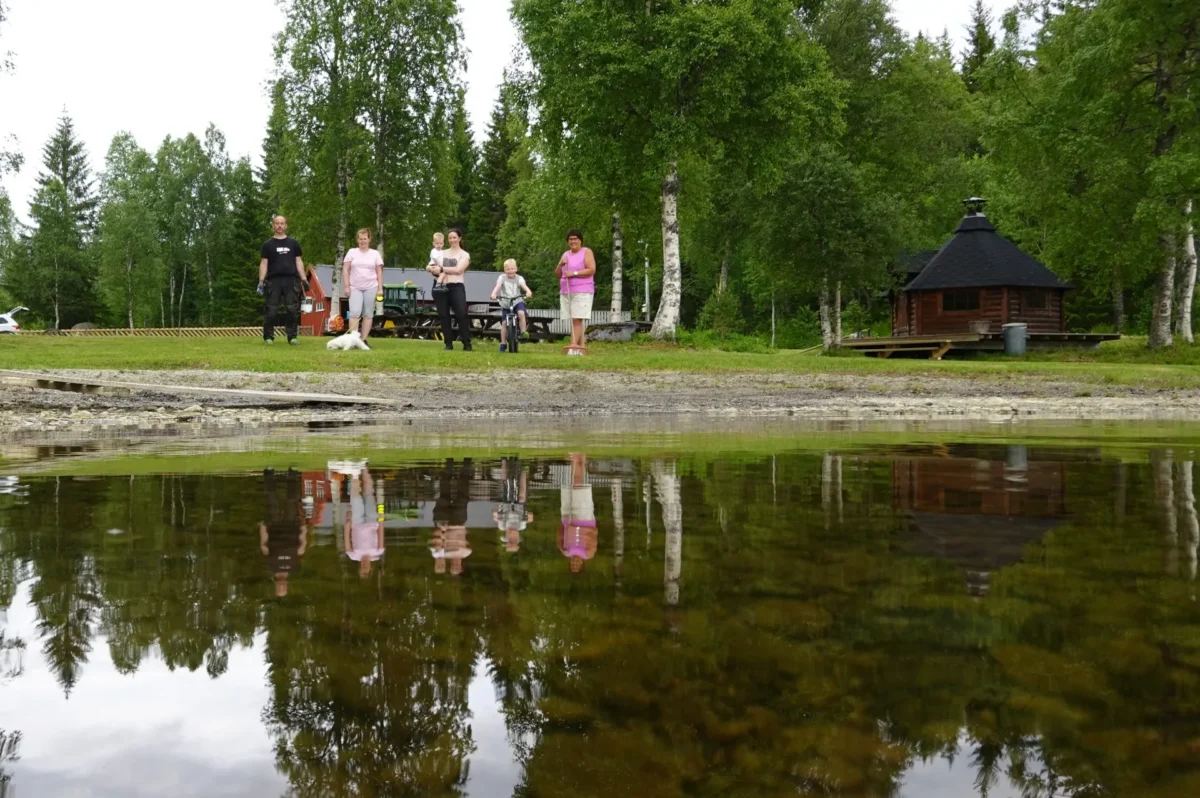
10	744
371	698
803	646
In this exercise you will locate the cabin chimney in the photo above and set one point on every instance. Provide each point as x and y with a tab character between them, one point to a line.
975	206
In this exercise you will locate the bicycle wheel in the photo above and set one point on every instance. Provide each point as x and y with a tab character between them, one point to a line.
512	332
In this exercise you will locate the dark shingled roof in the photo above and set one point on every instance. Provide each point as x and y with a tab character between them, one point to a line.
913	263
979	257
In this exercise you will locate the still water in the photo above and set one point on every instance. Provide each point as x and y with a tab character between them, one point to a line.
879	620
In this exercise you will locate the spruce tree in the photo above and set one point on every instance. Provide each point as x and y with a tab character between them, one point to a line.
276	158
980	45
466	161
55	280
496	178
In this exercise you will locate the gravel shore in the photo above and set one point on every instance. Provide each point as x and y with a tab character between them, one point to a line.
26	410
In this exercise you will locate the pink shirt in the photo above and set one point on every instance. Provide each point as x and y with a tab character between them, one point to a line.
362	268
577	262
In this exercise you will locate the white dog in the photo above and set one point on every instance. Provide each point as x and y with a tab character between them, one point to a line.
351	340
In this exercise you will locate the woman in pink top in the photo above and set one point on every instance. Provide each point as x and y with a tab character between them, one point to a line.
362	274
576	279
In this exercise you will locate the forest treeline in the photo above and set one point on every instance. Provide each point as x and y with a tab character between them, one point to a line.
760	164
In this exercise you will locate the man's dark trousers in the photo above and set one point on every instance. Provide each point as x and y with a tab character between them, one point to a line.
282	292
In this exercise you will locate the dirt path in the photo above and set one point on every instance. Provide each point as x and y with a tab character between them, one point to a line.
562	393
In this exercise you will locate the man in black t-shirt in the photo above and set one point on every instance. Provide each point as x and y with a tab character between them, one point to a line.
280	276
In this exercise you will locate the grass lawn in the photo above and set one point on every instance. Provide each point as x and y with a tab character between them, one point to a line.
1125	363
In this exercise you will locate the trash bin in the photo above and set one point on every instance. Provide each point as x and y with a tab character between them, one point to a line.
1015	336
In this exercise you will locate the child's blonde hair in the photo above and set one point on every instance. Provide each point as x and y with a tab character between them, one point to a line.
512	261
439	237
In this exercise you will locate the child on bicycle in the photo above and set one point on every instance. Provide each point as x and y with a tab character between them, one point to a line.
508	288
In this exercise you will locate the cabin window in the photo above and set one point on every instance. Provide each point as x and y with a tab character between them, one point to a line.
960	300
1034	300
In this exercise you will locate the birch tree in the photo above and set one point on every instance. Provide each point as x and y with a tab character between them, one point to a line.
644	85
1187	280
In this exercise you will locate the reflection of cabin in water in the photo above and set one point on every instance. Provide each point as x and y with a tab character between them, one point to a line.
979	514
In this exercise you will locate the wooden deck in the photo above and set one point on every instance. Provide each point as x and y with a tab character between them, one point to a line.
936	347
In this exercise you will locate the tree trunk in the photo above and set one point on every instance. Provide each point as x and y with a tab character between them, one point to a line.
343	189
1164	290
827	487
212	299
1118	304
1164	496
826	316
57	319
618	514
837	314
618	263
1187	282
379	235
772	319
1160	317
182	291
726	260
129	289
667	318
1187	511
666	482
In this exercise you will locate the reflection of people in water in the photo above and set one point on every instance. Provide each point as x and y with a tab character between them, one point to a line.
510	515
363	530
449	542
578	536
449	545
283	536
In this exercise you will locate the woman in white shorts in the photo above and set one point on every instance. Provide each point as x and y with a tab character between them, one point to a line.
362	274
576	274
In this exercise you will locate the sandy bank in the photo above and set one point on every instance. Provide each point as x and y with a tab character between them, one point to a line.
561	393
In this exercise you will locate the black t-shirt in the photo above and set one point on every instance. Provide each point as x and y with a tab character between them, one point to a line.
281	254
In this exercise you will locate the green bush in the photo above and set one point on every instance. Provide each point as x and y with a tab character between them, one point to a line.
800	331
721	314
707	339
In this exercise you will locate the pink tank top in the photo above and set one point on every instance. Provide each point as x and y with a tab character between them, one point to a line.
576	262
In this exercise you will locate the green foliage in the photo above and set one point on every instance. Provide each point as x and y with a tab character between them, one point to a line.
722	314
129	263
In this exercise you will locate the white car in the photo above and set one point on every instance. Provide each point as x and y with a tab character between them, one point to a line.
8	324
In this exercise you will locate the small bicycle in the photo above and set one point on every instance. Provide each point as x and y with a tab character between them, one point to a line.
510	321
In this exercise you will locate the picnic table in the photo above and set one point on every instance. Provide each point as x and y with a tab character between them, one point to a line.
406	314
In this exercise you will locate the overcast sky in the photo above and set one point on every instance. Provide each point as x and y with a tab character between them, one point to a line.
164	67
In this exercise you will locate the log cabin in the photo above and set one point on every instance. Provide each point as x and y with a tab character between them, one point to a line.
977	282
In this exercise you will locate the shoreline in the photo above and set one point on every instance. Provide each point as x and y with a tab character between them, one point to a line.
571	394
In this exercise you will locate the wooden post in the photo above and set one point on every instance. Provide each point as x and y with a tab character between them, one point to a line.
1004	310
